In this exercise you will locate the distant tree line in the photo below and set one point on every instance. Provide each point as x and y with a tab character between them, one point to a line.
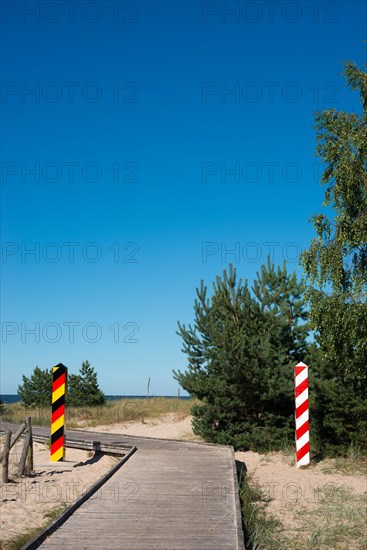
243	343
82	388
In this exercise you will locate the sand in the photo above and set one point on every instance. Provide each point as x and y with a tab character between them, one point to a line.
26	501
294	489
283	482
167	427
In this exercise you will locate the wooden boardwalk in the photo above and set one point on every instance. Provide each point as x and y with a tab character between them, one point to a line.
169	495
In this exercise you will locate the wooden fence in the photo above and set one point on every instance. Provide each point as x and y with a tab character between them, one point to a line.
26	458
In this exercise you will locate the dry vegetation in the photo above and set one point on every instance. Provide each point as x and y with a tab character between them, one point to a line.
327	510
337	520
17	542
113	412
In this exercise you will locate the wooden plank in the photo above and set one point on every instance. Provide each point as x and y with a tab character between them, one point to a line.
162	499
36	542
171	495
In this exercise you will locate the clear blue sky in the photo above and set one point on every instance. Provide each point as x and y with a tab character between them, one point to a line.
147	89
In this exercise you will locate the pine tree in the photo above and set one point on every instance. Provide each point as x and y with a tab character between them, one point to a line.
239	350
75	394
37	389
283	310
336	268
83	389
282	298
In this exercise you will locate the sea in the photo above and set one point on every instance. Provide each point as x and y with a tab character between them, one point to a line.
13	398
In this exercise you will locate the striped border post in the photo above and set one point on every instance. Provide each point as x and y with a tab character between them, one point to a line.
301	413
59	378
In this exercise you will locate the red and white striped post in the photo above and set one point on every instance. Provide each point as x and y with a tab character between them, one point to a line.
301	413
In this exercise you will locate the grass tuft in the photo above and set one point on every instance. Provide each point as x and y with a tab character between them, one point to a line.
20	540
53	513
260	528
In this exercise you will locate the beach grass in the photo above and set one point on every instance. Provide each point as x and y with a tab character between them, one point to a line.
336	520
113	412
20	540
261	529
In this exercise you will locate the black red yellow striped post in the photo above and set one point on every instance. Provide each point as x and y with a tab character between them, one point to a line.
59	378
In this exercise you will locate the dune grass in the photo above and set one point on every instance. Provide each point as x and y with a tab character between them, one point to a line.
346	466
121	410
261	529
20	540
336	520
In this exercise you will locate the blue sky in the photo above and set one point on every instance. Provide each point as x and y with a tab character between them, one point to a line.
138	115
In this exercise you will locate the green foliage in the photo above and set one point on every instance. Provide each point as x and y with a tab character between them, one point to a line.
240	351
36	390
339	413
82	388
336	269
282	302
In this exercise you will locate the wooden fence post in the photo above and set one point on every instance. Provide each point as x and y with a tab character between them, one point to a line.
27	442
30	465
5	476
15	438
